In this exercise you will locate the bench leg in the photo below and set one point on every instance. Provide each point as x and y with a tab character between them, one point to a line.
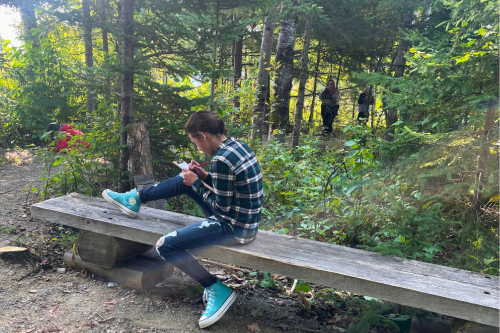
436	325
140	273
464	326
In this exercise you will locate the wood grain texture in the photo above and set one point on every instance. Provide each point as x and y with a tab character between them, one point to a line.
139	273
457	293
107	251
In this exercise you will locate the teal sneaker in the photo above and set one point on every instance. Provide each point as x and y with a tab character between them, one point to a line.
219	298
129	202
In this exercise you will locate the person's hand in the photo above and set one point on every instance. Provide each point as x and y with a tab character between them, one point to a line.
189	177
198	170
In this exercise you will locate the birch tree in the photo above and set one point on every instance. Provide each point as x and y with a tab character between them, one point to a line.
283	81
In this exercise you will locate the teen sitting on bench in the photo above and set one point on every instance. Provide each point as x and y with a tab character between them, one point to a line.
234	206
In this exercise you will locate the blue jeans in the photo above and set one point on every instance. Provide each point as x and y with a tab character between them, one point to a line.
172	247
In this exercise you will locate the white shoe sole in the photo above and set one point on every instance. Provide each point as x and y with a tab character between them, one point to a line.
218	315
118	205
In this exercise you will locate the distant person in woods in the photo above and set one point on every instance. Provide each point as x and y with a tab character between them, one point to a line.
63	141
330	98
234	204
365	99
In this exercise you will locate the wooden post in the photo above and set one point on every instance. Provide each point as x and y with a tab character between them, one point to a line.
141	273
107	251
464	326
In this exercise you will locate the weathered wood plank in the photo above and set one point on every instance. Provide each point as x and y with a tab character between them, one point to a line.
453	292
107	251
139	273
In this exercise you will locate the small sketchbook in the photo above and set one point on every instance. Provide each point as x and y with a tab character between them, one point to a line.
183	165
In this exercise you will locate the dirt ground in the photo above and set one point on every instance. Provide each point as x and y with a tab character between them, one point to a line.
34	297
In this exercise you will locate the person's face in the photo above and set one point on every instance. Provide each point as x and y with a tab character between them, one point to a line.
202	143
330	84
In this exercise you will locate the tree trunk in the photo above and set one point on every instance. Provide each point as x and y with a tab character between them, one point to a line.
318	59
127	89
392	114
338	73
283	82
139	162
212	87
28	22
238	58
304	74
237	64
483	155
263	78
89	61
104	29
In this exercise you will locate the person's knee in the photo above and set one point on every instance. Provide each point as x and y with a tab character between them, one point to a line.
165	244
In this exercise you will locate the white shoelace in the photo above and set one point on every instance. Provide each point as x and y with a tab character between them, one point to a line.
208	297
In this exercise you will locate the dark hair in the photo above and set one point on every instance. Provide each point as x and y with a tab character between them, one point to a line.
53	127
205	121
331	81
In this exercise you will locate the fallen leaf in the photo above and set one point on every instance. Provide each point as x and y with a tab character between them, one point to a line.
348	320
254	327
29	330
10	273
95	323
45	278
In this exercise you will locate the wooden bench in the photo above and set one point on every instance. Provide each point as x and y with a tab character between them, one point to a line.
457	293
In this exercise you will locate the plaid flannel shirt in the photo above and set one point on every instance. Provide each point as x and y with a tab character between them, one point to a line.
237	181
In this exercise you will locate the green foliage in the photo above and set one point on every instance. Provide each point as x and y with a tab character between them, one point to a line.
410	196
76	169
266	280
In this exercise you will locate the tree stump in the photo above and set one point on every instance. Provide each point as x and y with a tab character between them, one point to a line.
145	181
139	162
